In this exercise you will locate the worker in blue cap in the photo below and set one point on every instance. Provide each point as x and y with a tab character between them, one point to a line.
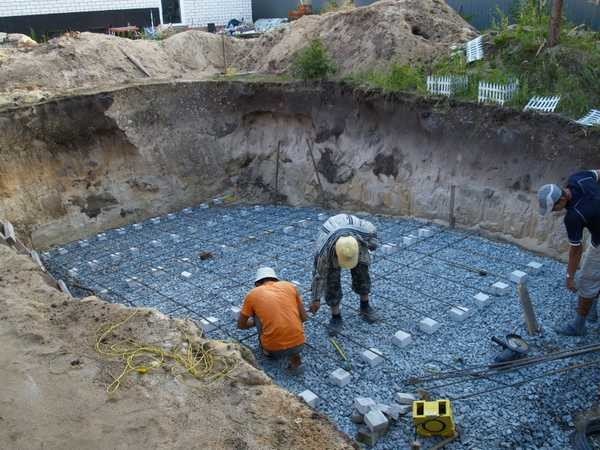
580	198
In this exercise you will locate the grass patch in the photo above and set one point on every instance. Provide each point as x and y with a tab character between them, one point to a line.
313	62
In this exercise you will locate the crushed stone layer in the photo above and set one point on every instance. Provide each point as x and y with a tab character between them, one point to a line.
220	248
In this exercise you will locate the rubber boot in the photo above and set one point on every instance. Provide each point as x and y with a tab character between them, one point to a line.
368	313
593	315
335	325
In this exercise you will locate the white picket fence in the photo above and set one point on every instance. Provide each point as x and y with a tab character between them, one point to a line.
446	85
590	119
474	49
544	104
497	93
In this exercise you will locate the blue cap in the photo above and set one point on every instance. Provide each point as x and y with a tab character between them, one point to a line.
548	195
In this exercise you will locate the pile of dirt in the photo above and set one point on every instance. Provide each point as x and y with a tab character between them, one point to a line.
403	31
53	391
358	39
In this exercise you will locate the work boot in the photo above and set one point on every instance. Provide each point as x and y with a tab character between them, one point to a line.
574	328
368	313
335	325
593	314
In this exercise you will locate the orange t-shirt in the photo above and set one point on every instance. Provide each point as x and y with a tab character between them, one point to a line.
276	304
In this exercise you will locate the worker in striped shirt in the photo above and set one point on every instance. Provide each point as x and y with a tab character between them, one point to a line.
343	242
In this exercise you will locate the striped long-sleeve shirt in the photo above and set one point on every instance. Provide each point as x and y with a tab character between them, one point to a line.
325	257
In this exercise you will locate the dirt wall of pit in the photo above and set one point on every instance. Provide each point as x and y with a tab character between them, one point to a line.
70	168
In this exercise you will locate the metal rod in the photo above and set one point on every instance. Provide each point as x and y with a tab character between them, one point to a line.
452	219
277	173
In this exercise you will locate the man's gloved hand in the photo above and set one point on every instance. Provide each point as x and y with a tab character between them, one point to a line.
314	306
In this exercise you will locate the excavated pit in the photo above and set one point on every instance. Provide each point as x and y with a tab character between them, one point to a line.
89	164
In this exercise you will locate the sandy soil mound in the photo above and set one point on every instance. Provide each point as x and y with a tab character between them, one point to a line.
53	390
403	31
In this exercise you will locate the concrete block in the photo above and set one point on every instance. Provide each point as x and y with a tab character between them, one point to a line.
132	282
235	312
62	251
481	299
101	237
171	216
209	324
186	275
114	257
121	231
187	210
376	421
372	357
310	398
397	410
339	377
157	271
459	313
73	272
405	398
84	243
368	437
104	291
36	259
518	276
425	232
382	407
258	208
185	260
534	267
137	226
388	249
63	287
408	240
500	288
155	243
364	404
203	206
357	417
9	232
288	230
402	339
155	220
428	325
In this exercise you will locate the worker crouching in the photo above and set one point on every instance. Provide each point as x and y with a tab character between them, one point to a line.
275	307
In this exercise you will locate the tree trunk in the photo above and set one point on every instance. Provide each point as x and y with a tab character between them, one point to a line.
555	23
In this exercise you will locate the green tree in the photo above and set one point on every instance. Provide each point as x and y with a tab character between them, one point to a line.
313	62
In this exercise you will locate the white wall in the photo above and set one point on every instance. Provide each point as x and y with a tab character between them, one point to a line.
200	12
194	12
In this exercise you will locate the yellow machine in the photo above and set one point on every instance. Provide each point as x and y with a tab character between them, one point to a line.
434	418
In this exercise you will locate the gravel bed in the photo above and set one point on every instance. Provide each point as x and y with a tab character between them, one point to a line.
424	279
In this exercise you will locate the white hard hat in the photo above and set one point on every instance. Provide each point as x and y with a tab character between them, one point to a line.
346	249
265	272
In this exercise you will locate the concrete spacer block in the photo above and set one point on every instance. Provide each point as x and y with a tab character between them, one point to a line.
203	206
310	398
425	232
132	282
405	398
402	339
339	377
372	357
121	231
288	230
137	226
534	267
187	210
209	324
459	313
235	312
73	272
155	220
364	404
36	259
62	251
84	243
186	275
171	216
388	249
481	299
518	276
376	421
357	417
322	217
382	407
408	240
63	287
397	410
428	325
101	237
500	288
368	437
155	243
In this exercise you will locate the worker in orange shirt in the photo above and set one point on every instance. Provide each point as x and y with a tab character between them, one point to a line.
275	307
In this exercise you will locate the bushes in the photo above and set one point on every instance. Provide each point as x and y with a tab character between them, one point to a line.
313	62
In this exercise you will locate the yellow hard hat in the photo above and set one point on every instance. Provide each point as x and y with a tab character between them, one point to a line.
346	249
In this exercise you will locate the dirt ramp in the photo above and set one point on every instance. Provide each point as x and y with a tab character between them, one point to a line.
53	392
403	31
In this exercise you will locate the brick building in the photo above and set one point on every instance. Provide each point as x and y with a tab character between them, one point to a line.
55	16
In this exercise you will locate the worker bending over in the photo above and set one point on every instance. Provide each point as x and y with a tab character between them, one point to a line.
343	243
276	308
581	200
